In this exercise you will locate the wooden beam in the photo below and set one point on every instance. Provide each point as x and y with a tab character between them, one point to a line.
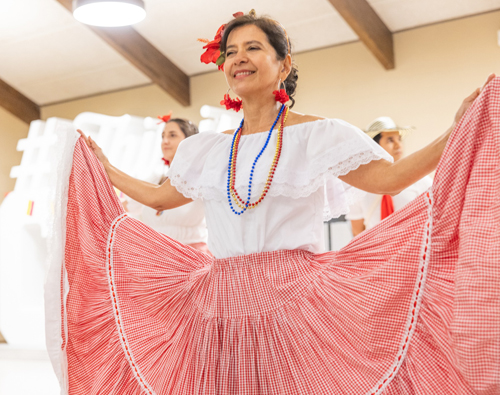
143	55
18	104
370	29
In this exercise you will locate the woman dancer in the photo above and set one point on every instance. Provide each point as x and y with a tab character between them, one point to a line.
186	223
411	306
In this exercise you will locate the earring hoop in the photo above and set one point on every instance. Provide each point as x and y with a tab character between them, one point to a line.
280	94
231	104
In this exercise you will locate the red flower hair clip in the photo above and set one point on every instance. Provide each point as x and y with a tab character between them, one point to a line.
165	118
212	52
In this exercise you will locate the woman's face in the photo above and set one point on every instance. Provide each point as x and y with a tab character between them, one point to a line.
393	144
170	139
251	66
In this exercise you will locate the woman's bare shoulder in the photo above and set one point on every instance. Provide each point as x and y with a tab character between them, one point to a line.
295	118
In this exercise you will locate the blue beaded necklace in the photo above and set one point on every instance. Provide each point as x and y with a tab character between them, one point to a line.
247	203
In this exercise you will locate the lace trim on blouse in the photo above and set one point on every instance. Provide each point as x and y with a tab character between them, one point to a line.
322	170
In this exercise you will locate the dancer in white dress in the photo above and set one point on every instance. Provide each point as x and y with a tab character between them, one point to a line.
185	223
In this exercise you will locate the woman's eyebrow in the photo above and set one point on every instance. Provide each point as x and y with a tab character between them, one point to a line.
247	43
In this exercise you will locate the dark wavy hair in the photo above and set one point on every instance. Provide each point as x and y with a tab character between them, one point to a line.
377	138
187	127
276	36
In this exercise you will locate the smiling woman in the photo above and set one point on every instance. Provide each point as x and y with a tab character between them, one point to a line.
409	307
272	40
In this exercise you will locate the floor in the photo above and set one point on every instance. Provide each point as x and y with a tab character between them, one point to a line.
26	372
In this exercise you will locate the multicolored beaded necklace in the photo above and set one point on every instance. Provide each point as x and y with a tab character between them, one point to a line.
231	172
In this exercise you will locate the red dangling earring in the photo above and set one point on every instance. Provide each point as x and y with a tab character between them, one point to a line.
231	104
281	95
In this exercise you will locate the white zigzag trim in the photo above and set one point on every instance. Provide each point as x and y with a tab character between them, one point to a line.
416	302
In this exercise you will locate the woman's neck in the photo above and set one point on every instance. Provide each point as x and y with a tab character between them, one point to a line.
259	115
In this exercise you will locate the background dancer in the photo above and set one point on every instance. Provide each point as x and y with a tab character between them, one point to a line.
409	307
371	209
186	223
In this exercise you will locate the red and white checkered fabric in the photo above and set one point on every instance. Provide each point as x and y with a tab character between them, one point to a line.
410	307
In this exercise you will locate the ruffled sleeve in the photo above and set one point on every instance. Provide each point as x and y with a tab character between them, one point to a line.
334	148
317	154
314	155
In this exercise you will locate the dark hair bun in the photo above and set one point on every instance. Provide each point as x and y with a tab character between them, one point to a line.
291	83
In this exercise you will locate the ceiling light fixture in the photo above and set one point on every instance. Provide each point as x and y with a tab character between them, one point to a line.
109	13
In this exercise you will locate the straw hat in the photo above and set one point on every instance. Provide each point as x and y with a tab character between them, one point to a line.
386	124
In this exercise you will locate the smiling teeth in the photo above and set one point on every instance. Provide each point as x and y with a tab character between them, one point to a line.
245	73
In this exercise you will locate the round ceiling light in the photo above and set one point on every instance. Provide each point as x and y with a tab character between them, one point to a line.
109	13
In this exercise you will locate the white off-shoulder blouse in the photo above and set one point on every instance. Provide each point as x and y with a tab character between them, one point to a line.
305	190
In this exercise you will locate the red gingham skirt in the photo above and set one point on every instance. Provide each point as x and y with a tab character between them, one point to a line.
410	307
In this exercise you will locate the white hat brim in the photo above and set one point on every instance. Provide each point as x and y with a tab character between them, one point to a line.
403	131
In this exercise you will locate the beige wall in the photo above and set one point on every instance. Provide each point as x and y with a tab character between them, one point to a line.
436	67
146	101
11	130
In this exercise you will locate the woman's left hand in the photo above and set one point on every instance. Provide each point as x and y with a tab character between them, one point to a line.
95	148
470	99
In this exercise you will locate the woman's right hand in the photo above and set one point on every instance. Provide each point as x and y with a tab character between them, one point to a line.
94	147
469	100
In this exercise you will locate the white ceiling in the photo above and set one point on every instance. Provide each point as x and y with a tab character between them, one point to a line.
50	57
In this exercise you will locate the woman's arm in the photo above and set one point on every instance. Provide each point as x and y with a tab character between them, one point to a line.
358	226
385	178
159	197
382	177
